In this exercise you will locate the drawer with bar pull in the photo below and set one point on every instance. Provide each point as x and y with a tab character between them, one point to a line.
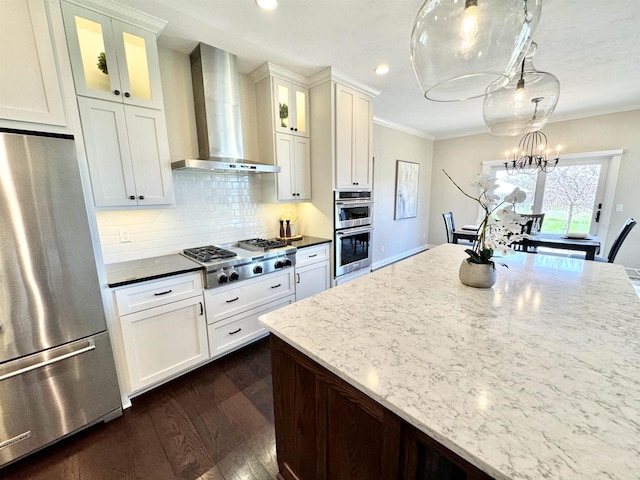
158	292
240	329
310	255
232	300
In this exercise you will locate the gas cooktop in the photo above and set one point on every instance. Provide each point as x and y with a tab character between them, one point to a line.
208	253
241	261
260	244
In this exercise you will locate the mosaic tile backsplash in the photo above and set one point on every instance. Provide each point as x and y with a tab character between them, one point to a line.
210	208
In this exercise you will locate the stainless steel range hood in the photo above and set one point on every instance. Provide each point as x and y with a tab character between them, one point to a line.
214	74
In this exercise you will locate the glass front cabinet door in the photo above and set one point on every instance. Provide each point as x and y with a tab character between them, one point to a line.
292	107
112	60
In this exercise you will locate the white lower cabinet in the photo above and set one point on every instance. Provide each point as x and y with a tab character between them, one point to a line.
312	270
241	329
233	311
163	333
231	300
312	279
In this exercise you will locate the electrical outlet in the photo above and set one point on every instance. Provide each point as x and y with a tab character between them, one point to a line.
424	236
124	235
619	207
382	248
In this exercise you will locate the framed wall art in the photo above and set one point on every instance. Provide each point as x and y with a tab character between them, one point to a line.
407	175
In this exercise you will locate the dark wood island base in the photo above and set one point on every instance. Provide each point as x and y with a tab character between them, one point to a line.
328	430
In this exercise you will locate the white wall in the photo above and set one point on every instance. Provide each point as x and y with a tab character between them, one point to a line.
210	208
399	237
462	158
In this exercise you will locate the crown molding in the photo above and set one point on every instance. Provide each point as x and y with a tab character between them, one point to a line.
403	128
269	69
123	13
332	74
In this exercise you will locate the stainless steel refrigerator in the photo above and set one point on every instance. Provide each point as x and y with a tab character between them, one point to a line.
57	372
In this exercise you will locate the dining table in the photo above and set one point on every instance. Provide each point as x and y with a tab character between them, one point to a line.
590	245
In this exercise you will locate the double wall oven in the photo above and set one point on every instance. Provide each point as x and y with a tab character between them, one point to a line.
353	221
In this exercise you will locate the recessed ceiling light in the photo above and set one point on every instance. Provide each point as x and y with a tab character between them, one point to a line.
267	4
381	69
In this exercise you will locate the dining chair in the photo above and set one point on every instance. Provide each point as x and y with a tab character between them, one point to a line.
534	222
449	225
532	226
617	243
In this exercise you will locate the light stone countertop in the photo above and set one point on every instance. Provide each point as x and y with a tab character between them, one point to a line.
537	377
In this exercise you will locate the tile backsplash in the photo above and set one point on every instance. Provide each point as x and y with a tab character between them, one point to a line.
210	208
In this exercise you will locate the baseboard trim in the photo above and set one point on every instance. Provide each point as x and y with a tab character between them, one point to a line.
398	257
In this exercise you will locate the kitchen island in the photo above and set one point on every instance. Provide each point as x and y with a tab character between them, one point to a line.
407	373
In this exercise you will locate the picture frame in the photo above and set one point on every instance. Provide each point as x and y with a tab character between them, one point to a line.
407	183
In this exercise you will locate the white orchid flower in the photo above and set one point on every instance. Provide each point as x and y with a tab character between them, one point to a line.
521	196
500	224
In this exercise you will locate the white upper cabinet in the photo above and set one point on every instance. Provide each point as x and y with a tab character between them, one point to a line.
128	160
294	159
283	133
117	78
291	108
354	124
30	89
112	60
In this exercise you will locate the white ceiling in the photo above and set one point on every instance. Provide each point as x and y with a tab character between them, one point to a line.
592	46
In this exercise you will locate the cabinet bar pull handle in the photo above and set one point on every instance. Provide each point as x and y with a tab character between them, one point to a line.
235	331
314	255
163	293
201	309
276	286
233	300
298	277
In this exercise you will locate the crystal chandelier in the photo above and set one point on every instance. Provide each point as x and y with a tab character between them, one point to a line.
531	155
459	47
508	111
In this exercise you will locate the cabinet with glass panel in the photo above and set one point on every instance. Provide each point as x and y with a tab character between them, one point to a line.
282	103
112	60
291	109
117	79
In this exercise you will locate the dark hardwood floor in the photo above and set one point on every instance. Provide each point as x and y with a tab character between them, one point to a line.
215	423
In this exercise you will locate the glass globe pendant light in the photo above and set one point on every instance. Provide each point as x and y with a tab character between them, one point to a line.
525	103
460	47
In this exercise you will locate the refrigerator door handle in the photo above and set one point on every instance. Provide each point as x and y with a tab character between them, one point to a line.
91	346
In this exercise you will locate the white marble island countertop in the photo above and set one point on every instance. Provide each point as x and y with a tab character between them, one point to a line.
537	377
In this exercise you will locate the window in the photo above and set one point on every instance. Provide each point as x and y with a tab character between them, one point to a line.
576	196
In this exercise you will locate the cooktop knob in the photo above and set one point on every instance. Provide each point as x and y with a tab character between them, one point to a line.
222	278
286	262
257	269
234	276
278	264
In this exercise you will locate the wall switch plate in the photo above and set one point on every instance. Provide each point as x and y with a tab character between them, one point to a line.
124	235
619	207
382	248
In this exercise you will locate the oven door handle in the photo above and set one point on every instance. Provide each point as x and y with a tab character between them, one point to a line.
353	231
355	204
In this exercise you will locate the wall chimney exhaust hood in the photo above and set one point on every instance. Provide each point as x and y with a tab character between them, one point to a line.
214	74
